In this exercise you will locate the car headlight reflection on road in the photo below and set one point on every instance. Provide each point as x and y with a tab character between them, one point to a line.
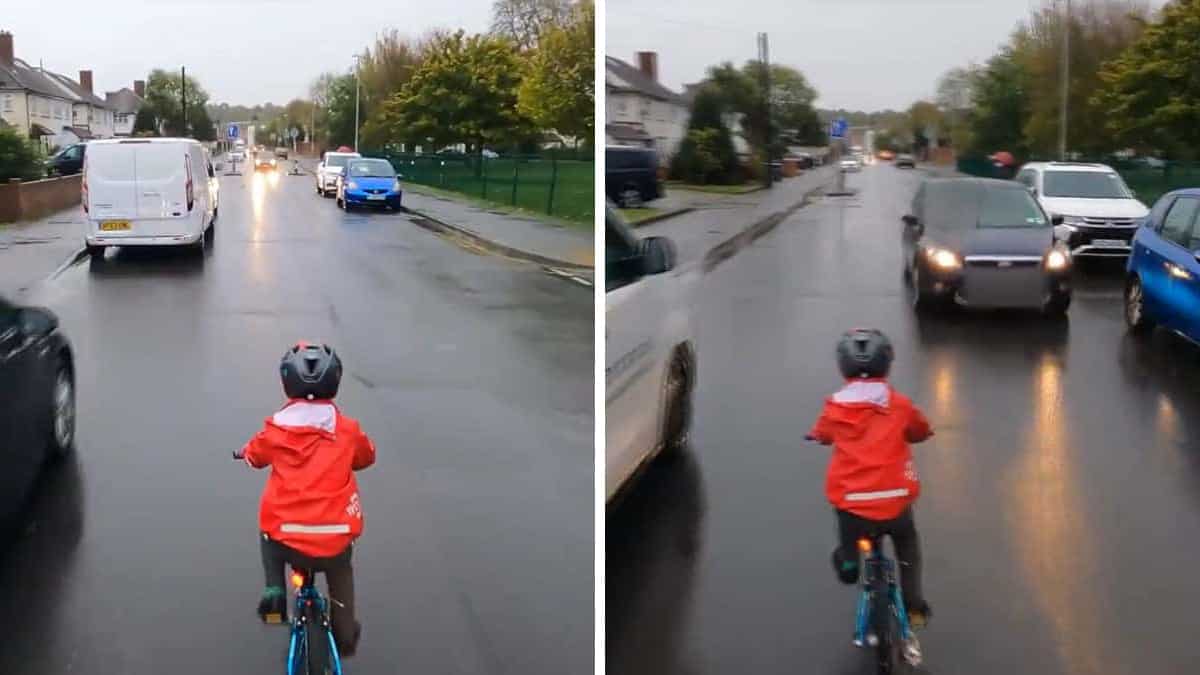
943	258
351	185
1057	260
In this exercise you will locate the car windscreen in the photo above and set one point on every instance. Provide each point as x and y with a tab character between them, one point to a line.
371	168
339	161
961	205
1084	185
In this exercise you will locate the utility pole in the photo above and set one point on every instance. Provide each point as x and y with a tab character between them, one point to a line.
765	60
1066	82
356	97
183	96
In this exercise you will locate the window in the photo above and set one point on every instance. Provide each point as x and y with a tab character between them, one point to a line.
1009	208
1085	185
7	101
1177	226
1027	178
621	105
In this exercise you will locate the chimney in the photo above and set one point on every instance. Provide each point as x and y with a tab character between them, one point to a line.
85	80
648	64
7	56
139	88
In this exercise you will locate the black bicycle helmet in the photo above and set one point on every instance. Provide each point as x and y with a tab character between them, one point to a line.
865	353
310	371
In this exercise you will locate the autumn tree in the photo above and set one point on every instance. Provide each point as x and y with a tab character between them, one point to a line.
525	21
558	91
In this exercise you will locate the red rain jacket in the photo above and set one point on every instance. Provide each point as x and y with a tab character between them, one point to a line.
870	425
310	502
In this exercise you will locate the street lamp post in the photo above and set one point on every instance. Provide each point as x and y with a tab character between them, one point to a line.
1066	79
356	96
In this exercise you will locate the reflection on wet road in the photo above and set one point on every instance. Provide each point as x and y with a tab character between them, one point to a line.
1060	494
472	374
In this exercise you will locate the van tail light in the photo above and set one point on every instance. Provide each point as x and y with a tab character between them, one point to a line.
83	183
191	200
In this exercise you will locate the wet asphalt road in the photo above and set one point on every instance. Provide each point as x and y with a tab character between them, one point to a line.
1061	494
472	374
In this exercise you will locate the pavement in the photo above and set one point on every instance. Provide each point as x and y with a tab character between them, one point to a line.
542	239
31	251
716	220
1058	495
472	373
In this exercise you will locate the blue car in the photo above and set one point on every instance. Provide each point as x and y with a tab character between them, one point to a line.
1162	287
368	182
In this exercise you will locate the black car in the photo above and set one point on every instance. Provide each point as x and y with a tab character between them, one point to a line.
37	399
67	161
631	175
905	161
983	242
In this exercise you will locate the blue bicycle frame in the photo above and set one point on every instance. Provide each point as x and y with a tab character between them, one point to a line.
311	607
880	570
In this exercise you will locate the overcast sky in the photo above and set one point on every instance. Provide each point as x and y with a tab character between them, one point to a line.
859	54
242	51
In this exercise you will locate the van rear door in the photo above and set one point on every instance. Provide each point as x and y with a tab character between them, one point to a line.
162	177
111	182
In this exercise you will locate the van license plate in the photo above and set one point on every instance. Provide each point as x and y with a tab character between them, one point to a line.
1110	243
115	225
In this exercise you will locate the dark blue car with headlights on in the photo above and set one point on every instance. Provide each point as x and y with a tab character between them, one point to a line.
368	182
1162	284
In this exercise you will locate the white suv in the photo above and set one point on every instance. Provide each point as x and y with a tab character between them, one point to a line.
1100	213
331	166
650	368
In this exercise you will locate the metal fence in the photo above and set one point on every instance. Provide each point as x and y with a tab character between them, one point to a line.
558	187
1149	179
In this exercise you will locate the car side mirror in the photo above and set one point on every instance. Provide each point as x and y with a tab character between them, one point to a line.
658	255
34	322
1056	219
910	220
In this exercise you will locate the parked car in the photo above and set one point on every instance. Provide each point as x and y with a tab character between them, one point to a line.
68	161
37	399
983	242
849	164
1162	285
281	152
330	168
368	182
1100	214
650	371
148	192
264	161
631	175
905	160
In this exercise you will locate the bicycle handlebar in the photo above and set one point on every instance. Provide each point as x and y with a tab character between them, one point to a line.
238	455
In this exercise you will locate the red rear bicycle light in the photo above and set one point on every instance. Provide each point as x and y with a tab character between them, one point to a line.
297	579
864	545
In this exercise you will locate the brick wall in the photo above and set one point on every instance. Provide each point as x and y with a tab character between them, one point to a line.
39	198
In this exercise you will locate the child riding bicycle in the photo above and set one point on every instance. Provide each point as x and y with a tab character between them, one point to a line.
872	481
310	512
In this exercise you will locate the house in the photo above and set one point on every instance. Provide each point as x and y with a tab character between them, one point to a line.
639	110
47	106
125	104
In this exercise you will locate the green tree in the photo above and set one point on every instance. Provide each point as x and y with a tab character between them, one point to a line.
464	92
1151	92
954	93
339	122
19	156
790	105
525	21
706	154
164	103
1000	94
201	126
146	122
558	91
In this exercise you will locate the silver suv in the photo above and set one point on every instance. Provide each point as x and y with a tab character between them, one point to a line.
1100	213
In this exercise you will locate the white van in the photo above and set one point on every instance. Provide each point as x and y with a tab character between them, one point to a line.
148	192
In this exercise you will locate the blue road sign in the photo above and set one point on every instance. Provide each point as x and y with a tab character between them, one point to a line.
233	132
837	128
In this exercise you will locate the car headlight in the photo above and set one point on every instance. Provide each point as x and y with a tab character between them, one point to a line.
396	186
351	185
943	258
1057	260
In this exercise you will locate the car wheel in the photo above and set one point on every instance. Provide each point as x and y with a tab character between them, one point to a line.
678	395
320	191
922	302
1136	319
62	412
201	243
